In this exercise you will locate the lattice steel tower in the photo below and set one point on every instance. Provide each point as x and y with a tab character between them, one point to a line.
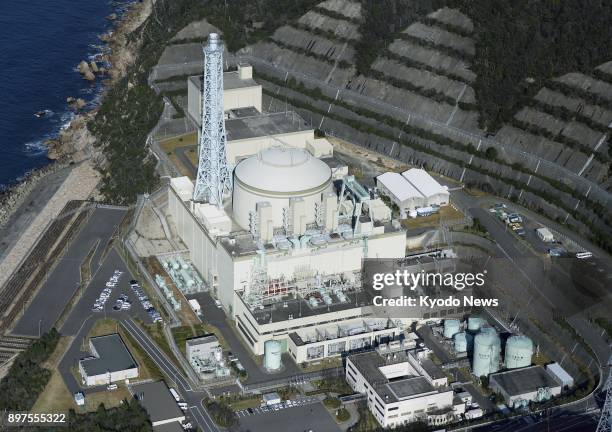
214	176
605	421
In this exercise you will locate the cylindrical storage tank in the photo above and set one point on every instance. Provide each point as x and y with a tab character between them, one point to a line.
486	353
272	355
474	323
463	342
277	175
519	350
451	327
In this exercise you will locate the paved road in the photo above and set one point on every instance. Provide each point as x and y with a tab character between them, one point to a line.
563	422
61	284
33	204
81	318
313	417
257	374
179	381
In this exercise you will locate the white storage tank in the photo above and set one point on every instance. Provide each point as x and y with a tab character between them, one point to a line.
474	323
451	327
272	355
463	342
487	347
519	350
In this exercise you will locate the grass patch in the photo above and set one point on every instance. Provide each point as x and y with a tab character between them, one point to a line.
446	213
342	415
146	367
104	326
332	402
55	397
182	333
110	399
246	403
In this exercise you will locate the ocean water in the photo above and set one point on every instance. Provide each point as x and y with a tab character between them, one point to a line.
41	43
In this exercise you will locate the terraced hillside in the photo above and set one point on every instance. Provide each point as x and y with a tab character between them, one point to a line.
319	44
426	69
567	122
417	103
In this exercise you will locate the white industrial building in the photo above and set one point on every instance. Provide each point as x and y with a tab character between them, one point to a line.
202	346
283	253
239	91
402	387
518	387
248	129
413	189
111	361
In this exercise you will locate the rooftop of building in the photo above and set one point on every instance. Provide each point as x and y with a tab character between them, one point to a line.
424	182
242	243
403	387
243	112
262	125
409	387
231	80
205	339
291	308
338	330
157	400
113	356
518	381
174	426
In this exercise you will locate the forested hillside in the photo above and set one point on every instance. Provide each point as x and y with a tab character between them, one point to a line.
522	43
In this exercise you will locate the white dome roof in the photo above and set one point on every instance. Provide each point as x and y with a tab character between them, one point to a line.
283	170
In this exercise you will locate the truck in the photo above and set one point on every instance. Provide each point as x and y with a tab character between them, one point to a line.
473	413
175	394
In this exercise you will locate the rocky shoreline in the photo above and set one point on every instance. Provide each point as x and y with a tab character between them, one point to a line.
75	143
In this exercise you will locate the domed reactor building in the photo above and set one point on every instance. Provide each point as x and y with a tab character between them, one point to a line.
275	227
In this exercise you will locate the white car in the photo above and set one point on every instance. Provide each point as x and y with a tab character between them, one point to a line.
218	304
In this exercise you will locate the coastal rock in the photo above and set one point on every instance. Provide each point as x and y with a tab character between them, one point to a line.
80	103
93	66
52	149
105	37
85	70
70	100
112	17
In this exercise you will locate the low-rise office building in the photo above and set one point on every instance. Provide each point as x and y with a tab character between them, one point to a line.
111	361
401	388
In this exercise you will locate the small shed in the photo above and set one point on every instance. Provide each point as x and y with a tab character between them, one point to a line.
271	399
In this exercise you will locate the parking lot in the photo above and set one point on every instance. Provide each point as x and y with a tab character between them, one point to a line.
278	407
313	416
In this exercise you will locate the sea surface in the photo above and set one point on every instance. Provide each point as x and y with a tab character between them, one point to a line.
41	43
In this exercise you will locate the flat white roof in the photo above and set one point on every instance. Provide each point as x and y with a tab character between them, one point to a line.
545	232
398	186
425	183
183	185
559	372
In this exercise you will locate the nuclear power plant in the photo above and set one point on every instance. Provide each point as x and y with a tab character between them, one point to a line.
275	233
